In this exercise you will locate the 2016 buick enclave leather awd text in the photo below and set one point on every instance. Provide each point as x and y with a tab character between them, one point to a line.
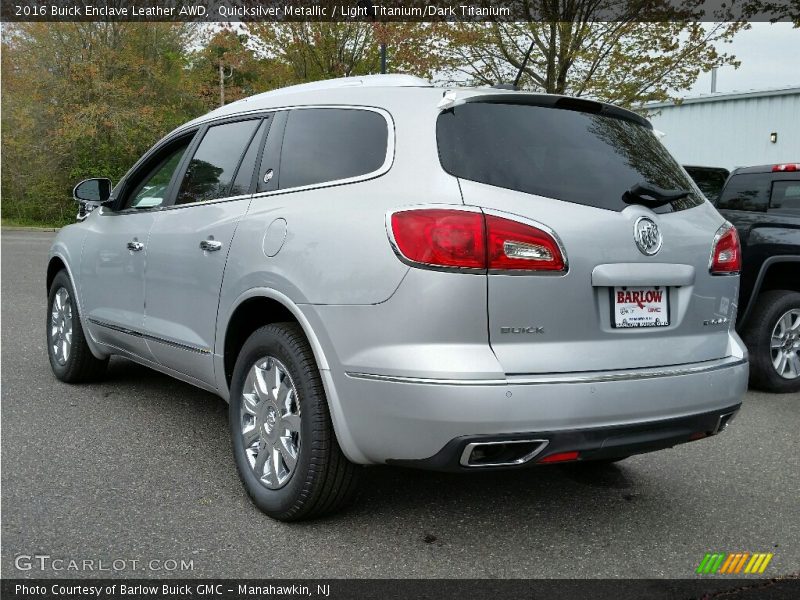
379	271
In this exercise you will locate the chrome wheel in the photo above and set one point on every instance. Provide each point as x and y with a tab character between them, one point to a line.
270	422
785	345
61	326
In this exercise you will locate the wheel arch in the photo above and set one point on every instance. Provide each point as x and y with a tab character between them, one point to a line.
255	309
776	273
55	265
259	307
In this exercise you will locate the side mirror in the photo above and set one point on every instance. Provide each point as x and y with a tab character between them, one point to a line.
96	190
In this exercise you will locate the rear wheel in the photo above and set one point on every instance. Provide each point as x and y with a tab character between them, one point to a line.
283	440
69	354
773	339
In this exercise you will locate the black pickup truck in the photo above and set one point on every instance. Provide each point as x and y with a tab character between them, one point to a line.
763	203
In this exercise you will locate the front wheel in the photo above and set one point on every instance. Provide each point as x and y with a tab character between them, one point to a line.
69	354
283	441
773	339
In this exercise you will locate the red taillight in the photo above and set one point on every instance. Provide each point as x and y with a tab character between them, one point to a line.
791	167
726	255
514	245
559	457
440	237
453	238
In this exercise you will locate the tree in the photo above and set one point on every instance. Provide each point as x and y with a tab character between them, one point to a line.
641	56
227	67
85	99
318	50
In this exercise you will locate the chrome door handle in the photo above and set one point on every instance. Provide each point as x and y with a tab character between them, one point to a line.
210	245
135	246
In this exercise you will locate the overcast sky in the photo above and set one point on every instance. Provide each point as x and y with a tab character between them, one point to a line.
769	55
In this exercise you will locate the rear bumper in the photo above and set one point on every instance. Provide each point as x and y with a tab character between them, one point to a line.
386	419
589	444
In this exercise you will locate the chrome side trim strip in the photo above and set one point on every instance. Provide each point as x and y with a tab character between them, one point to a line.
146	336
559	378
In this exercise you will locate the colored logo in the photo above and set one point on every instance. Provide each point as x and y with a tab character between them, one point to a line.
735	563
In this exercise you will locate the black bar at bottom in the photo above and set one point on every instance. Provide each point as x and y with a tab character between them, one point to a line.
388	589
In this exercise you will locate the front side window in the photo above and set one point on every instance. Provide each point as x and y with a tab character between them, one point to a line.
212	168
152	190
331	144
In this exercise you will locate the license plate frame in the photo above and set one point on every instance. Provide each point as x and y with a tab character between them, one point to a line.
637	313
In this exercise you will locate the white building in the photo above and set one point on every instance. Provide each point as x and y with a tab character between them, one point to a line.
731	130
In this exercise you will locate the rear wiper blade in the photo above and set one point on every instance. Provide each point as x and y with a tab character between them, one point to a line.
651	195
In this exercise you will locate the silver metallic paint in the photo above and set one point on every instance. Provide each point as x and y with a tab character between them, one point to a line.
365	312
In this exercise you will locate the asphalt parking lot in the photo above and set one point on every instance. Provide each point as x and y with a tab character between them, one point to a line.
138	468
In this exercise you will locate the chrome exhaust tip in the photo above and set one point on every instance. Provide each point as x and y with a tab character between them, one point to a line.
503	453
723	422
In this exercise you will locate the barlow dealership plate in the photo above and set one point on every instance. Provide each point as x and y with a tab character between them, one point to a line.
640	307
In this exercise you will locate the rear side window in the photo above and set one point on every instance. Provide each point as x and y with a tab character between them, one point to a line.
329	144
244	175
579	157
211	170
747	191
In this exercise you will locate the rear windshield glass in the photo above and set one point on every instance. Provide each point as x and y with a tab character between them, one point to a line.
565	154
747	191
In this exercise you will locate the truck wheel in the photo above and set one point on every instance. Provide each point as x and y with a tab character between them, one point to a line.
70	357
283	440
773	339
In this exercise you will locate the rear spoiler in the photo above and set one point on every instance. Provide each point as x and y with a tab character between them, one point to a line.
453	98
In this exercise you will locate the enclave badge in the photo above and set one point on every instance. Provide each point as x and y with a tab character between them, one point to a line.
647	236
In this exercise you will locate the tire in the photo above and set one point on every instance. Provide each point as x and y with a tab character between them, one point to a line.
770	308
295	423
69	354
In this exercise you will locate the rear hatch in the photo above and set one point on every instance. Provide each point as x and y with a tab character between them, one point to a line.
573	166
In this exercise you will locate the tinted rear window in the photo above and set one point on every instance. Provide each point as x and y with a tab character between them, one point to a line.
565	154
329	144
748	191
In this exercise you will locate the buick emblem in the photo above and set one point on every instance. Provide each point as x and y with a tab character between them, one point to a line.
647	236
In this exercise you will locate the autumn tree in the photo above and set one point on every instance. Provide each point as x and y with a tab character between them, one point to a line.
85	99
227	67
313	51
650	49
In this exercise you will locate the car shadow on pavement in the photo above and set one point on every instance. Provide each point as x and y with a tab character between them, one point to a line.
386	492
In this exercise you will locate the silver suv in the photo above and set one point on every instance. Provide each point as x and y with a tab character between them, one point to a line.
378	271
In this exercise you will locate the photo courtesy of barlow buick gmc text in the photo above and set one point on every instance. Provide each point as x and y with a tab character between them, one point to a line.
354	301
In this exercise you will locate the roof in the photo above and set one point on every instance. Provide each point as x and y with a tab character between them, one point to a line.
376	90
343	82
728	96
766	169
339	88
